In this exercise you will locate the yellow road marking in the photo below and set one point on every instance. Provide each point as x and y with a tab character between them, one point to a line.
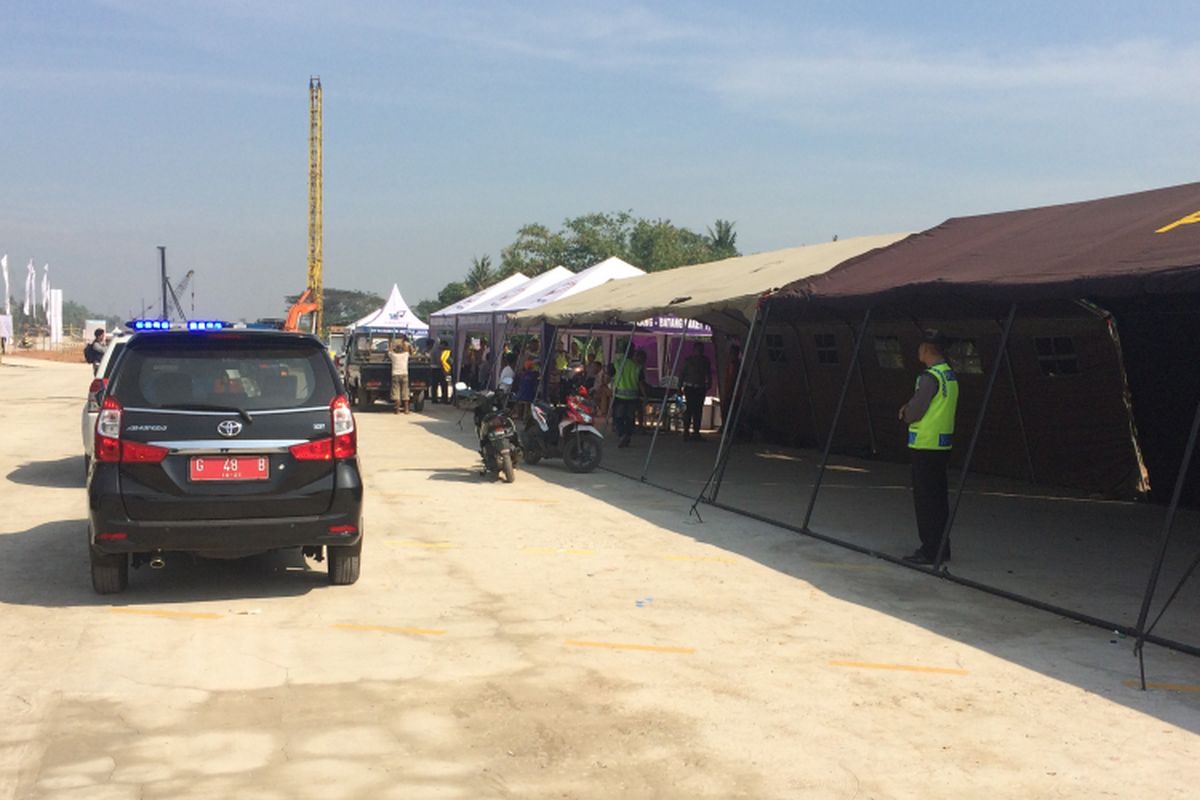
151	612
557	551
391	629
649	648
899	667
1168	687
712	559
423	545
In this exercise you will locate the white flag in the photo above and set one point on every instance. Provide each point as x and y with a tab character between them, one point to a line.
30	287
7	295
46	290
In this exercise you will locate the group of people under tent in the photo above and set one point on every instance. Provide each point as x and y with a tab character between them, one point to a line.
619	388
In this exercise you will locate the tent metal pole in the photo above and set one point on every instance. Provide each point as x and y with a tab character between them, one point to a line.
812	406
662	409
837	416
738	399
965	471
725	420
1012	383
862	381
1164	542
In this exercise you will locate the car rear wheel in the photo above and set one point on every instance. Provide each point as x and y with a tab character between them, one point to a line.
362	399
344	563
419	402
110	573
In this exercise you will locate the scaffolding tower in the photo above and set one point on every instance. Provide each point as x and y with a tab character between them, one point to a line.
315	204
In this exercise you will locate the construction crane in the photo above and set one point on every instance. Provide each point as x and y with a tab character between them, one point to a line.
177	291
316	288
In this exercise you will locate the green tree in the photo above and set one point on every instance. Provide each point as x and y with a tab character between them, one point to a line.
481	275
343	306
591	238
658	244
535	251
722	239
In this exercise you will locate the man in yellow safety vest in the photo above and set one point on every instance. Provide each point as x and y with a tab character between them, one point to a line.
930	417
627	387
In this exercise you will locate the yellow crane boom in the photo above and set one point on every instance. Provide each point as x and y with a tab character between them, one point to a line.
316	208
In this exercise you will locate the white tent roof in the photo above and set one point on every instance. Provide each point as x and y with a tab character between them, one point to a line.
394	316
732	285
483	295
517	299
610	269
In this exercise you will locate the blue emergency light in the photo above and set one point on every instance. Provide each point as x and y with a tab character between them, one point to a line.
205	325
149	325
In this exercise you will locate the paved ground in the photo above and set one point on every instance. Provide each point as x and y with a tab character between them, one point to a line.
565	636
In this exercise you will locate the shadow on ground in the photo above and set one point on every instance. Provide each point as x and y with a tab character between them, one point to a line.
62	473
1095	660
48	566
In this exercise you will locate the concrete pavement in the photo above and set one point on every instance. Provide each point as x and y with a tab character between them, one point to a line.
565	636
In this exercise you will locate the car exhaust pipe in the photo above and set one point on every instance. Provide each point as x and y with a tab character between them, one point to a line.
157	562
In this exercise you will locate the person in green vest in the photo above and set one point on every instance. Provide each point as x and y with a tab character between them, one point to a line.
930	417
627	387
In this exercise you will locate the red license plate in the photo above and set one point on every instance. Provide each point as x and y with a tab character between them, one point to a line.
229	468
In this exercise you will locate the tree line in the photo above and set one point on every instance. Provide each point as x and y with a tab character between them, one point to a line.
649	244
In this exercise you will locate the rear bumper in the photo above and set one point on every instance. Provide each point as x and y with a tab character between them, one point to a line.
225	536
217	537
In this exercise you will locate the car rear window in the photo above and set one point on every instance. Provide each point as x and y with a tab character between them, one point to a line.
224	372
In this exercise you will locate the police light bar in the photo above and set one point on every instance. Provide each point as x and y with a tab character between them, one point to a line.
148	325
206	325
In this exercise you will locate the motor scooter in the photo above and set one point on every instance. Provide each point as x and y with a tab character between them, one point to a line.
564	432
498	443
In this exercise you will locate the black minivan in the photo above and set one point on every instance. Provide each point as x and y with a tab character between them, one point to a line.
223	443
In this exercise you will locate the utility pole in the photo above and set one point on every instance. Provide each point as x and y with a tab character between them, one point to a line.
316	281
162	264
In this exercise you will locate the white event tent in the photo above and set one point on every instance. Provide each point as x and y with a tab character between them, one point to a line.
442	320
490	318
394	317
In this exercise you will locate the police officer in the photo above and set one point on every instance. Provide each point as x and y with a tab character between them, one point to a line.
930	417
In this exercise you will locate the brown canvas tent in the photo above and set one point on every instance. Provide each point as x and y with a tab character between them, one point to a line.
1088	309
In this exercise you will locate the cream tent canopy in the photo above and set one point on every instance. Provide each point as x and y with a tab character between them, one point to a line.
731	286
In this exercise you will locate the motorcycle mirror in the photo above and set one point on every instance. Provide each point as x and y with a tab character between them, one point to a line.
460	387
583	391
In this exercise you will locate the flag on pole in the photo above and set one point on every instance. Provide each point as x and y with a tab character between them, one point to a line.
30	287
7	295
46	290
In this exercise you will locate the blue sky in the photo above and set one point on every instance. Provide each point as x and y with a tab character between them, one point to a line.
125	124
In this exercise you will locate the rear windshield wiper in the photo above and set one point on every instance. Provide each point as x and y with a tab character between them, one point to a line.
241	412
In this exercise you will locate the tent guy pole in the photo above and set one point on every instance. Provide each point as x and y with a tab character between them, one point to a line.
725	419
965	470
662	408
1012	383
1164	541
837	416
738	401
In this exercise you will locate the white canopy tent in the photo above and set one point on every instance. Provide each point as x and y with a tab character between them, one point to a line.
444	319
394	317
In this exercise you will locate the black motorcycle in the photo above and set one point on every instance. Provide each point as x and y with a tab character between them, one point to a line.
498	443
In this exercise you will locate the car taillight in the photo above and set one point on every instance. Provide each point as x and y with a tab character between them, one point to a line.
345	437
108	432
316	450
94	391
142	453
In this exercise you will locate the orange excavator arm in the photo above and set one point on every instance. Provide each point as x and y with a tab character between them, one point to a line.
301	307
